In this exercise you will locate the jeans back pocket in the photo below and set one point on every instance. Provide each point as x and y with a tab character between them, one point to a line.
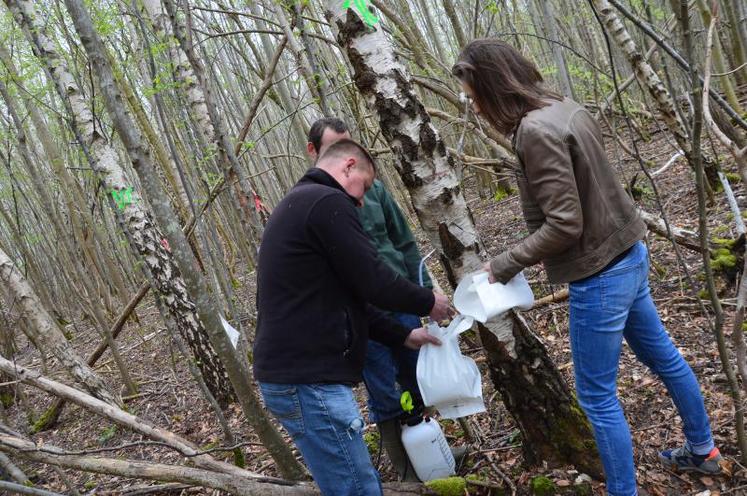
282	400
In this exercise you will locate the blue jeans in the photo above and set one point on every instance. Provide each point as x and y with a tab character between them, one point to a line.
606	307
384	368
326	425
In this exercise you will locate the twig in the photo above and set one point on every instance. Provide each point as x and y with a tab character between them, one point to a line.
94	451
730	72
21	489
505	478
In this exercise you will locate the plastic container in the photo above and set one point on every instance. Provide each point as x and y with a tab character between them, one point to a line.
479	299
427	449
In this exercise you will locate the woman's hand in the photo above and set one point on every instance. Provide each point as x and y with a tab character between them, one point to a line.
503	268
487	269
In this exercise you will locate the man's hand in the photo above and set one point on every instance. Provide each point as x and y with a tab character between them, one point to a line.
418	337
441	308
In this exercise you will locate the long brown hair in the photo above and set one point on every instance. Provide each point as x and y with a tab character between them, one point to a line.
504	83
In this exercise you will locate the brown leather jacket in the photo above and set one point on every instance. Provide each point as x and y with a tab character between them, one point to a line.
578	214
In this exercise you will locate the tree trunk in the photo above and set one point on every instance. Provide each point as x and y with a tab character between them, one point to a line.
196	285
554	428
551	28
43	331
143	234
650	80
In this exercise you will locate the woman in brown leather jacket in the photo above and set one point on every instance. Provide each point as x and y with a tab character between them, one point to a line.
586	232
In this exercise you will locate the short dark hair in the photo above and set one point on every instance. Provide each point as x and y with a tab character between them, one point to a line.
505	84
344	147
317	130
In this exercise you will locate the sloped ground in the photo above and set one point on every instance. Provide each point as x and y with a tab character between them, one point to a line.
169	398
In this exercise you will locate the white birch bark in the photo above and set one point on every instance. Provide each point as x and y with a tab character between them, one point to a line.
651	81
43	331
532	388
143	234
204	301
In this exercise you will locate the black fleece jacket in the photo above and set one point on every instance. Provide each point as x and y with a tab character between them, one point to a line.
318	278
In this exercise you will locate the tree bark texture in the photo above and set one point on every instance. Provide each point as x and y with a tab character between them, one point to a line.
554	428
143	234
653	84
43	331
204	302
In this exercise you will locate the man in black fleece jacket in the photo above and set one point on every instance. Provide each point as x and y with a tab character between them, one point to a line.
318	279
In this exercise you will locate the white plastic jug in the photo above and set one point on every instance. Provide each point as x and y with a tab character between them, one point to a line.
479	299
428	449
448	380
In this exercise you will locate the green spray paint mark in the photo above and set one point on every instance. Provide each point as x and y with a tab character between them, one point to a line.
363	9
123	197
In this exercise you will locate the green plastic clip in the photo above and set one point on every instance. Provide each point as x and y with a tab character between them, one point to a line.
405	401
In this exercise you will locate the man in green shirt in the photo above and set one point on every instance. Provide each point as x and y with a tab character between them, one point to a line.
385	367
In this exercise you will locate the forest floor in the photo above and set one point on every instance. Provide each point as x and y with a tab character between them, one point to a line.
169	398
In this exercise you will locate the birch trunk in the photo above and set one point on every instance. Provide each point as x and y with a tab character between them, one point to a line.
43	331
191	76
143	234
653	84
554	428
196	284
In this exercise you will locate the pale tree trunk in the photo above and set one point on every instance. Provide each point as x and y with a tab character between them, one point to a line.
196	284
551	27
553	427
651	81
43	331
190	73
456	24
143	234
68	251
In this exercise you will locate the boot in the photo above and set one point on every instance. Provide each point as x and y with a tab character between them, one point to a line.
391	442
459	453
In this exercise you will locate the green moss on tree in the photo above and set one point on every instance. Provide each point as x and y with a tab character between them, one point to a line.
47	420
451	486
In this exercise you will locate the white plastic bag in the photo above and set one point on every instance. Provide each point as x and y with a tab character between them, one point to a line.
448	380
233	334
479	299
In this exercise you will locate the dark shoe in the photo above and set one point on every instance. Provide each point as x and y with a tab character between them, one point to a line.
681	459
459	453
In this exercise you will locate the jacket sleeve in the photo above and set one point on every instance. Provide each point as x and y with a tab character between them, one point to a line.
402	238
548	169
385	329
334	223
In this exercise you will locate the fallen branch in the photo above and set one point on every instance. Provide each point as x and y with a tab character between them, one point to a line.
21	489
153	471
556	297
125	419
267	486
682	237
12	470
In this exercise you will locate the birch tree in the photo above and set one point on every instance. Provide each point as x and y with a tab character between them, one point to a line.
195	281
43	331
552	425
144	236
